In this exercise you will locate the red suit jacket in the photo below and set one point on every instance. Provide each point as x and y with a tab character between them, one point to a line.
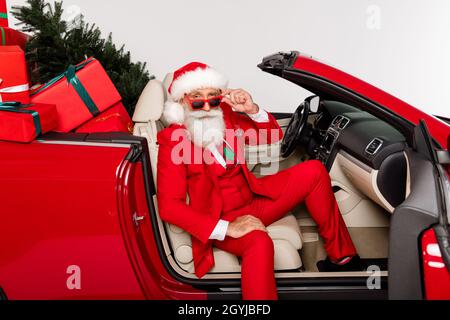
175	181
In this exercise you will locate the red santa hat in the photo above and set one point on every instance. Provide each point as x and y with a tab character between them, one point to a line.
194	75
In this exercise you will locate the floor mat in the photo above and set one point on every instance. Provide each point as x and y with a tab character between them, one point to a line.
368	263
381	263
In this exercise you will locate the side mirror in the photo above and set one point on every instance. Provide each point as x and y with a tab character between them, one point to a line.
314	104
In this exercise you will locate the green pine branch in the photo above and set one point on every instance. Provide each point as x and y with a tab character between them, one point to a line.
56	44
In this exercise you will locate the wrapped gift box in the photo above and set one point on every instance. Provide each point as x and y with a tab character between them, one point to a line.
24	123
80	94
3	14
11	37
14	84
114	119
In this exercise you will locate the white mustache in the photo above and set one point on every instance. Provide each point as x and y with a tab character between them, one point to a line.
201	114
205	127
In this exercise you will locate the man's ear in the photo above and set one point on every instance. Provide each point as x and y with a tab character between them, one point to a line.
183	101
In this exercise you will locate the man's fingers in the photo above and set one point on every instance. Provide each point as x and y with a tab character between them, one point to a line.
228	101
235	106
234	92
261	226
233	97
245	224
241	98
238	99
251	218
255	218
238	107
257	224
237	94
258	228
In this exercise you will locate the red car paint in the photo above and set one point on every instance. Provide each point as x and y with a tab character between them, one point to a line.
436	275
59	209
155	281
65	204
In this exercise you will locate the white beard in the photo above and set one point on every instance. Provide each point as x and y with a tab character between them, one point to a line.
206	128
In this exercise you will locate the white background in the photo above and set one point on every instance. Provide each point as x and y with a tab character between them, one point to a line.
401	46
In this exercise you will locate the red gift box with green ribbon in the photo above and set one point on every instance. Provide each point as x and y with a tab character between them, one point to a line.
8	36
24	123
14	84
80	94
114	119
11	37
3	14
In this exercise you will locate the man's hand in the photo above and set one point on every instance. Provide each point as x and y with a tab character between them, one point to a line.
240	100
244	225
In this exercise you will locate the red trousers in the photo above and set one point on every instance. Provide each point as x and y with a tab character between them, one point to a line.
308	181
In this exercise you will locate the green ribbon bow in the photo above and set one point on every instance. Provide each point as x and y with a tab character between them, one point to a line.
72	79
3	35
17	107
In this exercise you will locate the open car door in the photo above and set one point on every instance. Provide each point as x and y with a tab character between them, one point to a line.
424	212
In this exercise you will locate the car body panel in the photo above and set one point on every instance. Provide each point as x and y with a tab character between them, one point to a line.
438	128
436	275
59	210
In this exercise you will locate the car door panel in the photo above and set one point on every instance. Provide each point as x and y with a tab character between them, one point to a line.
60	233
417	213
424	208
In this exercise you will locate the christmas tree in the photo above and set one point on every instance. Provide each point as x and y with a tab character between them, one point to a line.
55	44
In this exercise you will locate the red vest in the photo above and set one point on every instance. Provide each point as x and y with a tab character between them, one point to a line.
234	187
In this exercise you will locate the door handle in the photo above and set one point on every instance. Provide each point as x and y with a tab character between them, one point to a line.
137	219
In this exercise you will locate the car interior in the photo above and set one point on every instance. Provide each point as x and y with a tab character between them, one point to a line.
369	169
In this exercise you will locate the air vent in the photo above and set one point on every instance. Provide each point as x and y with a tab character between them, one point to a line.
344	122
336	121
374	146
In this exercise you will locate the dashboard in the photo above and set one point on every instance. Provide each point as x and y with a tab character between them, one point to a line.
363	151
365	137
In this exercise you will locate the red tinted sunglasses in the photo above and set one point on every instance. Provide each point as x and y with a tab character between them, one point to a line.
213	102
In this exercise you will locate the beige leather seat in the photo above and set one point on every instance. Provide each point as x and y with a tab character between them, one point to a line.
285	233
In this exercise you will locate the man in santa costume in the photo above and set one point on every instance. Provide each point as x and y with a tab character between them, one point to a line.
217	200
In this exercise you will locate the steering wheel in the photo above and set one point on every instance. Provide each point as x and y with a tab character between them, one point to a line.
295	130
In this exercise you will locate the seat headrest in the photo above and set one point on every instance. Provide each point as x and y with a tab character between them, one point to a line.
151	102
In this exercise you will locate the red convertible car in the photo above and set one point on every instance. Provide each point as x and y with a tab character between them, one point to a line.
79	217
